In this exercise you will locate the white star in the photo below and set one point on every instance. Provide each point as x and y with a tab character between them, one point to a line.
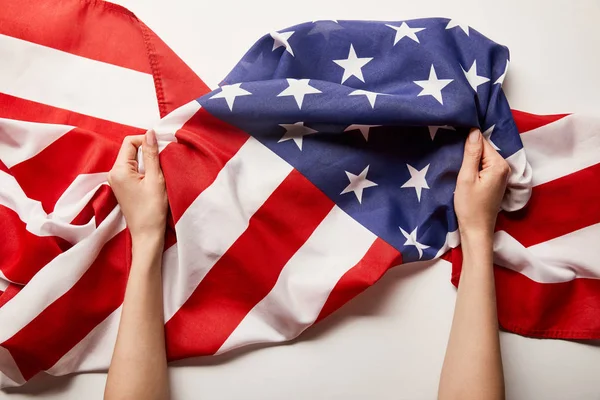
501	78
358	183
454	23
403	31
474	79
295	132
364	129
281	39
411	240
352	65
417	180
298	88
230	92
433	86
488	136
433	129
371	96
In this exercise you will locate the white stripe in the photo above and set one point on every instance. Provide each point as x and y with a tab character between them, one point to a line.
518	187
218	216
57	277
562	147
94	351
10	375
167	127
6	382
58	223
562	259
452	241
305	282
20	140
4	282
205	232
60	79
78	195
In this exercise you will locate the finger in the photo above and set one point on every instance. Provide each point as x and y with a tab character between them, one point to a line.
489	151
472	156
490	155
491	159
150	151
128	150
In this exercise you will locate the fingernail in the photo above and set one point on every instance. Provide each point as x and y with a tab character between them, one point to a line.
150	138
474	135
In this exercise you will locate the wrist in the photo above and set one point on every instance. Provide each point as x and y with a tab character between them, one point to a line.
476	236
477	245
148	240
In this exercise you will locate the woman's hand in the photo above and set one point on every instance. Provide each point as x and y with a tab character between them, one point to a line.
138	369
473	365
142	197
480	187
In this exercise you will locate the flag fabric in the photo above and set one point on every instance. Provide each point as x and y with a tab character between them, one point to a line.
287	198
76	77
379	129
547	274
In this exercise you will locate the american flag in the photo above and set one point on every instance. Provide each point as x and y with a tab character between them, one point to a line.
287	197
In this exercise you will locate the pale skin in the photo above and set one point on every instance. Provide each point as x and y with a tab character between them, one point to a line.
473	365
138	369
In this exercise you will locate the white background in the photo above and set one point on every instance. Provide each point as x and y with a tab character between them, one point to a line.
389	342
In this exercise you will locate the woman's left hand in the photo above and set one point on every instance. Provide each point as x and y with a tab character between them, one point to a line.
142	197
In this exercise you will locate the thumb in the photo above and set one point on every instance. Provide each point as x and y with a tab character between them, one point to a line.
150	152
472	157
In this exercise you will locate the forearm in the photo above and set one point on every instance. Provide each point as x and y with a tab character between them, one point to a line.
473	365
139	368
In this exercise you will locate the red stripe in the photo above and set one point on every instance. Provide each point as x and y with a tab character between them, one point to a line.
24	110
247	272
104	32
527	122
565	310
59	327
108	33
47	175
176	84
100	205
10	292
378	259
556	208
93	29
204	145
23	254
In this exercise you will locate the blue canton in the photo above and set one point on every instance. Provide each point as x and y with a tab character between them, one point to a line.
375	114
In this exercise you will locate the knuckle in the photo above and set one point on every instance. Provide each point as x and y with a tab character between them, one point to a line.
463	179
132	164
116	175
472	152
151	153
504	168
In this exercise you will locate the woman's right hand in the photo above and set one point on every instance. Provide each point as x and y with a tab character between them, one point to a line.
480	187
473	364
